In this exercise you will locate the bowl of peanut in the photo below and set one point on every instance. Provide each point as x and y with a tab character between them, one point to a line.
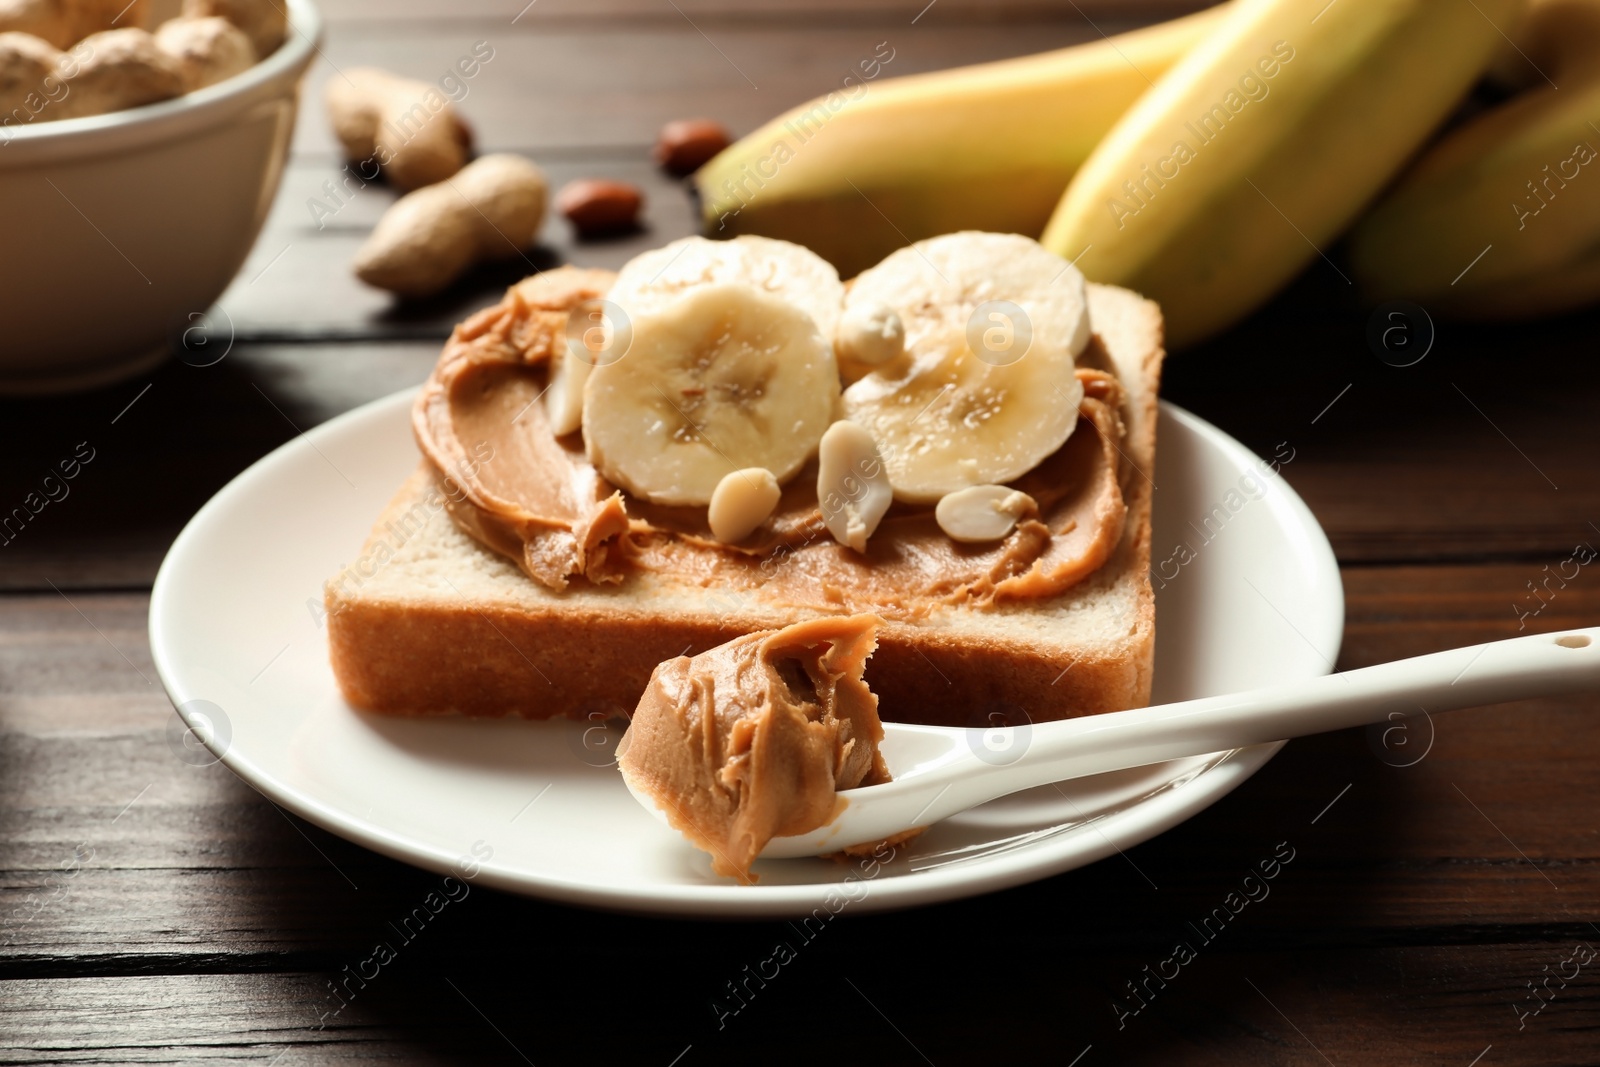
139	154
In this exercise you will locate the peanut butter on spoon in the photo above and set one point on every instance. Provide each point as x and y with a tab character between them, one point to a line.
753	739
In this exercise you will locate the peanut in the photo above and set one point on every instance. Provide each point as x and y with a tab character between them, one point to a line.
44	19
853	488
598	206
406	127
869	335
119	69
207	50
28	78
982	513
265	22
742	501
65	22
685	144
428	238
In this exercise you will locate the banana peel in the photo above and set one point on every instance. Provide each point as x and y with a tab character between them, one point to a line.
1257	149
879	164
1501	218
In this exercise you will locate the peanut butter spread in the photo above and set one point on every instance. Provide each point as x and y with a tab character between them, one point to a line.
539	501
753	739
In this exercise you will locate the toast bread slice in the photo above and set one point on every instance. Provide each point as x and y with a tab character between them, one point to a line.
443	625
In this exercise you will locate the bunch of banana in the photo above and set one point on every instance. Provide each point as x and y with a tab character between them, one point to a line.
1498	218
1262	145
876	164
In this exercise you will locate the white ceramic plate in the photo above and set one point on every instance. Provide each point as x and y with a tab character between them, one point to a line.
1253	599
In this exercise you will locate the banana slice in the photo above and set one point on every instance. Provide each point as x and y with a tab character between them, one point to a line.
988	390
563	397
652	279
946	419
721	378
597	332
941	282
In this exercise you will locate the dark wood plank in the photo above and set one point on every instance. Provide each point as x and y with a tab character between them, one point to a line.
569	85
251	1018
1226	1006
161	445
1479	450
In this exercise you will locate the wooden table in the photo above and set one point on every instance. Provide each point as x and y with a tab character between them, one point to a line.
152	911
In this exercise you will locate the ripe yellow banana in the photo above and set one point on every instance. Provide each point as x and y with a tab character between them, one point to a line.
1501	218
875	165
1262	144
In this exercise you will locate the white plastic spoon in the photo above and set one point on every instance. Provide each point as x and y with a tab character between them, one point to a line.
940	771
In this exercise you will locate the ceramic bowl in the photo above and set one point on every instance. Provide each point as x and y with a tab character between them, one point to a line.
122	229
